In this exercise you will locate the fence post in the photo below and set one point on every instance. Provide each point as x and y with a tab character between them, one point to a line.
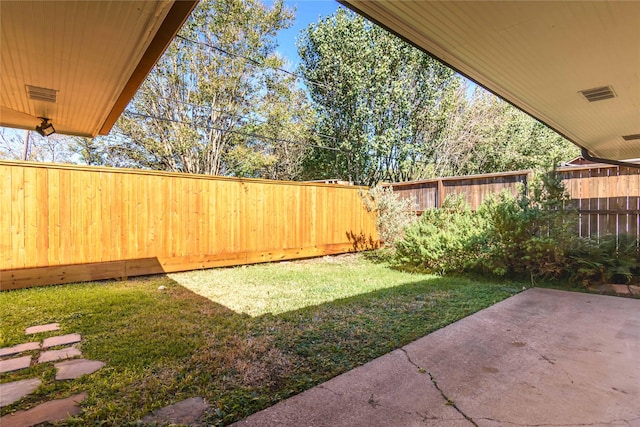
527	180
439	194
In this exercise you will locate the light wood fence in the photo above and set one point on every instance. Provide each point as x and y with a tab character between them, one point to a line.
63	224
607	197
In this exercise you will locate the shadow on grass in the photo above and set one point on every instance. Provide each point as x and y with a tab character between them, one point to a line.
162	346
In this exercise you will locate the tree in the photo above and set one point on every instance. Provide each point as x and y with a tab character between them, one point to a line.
378	100
90	151
396	114
487	134
283	138
52	148
203	109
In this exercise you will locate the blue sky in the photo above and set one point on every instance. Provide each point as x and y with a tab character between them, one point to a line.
306	12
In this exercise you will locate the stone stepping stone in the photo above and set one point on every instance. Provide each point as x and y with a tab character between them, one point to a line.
9	351
55	355
61	340
42	328
72	369
621	289
188	412
16	390
9	365
56	410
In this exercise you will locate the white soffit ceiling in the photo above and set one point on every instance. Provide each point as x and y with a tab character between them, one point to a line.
79	62
539	56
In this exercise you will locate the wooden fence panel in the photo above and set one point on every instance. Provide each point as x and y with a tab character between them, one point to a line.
431	193
60	223
607	197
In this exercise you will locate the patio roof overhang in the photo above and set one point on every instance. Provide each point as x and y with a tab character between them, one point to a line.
79	63
539	56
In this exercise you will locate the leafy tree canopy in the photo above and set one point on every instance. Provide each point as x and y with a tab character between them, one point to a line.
378	99
396	114
216	102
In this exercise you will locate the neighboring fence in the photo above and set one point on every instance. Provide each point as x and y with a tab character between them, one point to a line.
430	193
607	197
63	224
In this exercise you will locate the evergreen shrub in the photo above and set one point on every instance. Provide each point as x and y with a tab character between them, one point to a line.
530	235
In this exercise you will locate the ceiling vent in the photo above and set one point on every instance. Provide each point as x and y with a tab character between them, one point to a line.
631	137
598	93
41	93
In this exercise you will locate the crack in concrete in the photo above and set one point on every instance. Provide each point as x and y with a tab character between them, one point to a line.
547	359
472	421
451	402
429	420
406	353
595	423
435	384
426	418
554	364
324	387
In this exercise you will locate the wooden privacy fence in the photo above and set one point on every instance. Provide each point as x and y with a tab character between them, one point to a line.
62	224
607	197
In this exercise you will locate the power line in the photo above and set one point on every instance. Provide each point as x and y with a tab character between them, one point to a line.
253	61
248	134
210	108
229	114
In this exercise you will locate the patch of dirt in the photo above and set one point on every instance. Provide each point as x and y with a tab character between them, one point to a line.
249	361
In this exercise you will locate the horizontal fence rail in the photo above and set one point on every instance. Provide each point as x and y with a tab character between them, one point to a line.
607	197
62	224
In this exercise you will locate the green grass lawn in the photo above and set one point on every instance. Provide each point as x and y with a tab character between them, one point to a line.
242	338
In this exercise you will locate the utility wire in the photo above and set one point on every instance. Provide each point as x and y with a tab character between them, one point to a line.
253	61
210	108
230	114
249	134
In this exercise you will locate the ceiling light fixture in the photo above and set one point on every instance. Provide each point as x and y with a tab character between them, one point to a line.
45	128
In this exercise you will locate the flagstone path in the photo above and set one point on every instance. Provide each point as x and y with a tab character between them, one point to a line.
69	366
55	410
188	411
11	361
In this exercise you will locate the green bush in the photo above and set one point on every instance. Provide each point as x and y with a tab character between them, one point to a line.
394	212
443	240
529	234
533	234
610	260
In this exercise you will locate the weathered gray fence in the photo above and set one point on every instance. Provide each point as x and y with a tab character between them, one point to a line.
607	197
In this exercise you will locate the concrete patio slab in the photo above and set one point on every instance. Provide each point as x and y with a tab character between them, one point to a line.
9	351
42	328
542	357
15	364
56	410
16	390
61	340
72	369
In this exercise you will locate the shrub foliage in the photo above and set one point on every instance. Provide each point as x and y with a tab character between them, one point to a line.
394	212
442	241
530	235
